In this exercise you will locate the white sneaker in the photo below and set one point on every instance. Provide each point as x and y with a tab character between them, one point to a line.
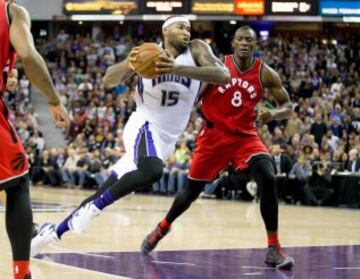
46	235
81	218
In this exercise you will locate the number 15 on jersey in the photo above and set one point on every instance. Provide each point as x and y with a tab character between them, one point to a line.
169	98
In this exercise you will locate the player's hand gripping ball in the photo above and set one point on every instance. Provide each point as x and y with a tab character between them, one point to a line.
143	59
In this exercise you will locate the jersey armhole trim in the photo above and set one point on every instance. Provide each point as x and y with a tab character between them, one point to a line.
260	79
9	20
8	15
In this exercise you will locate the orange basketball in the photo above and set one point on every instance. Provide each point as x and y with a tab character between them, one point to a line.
146	58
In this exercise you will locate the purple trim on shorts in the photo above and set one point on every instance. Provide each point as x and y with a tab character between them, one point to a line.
150	142
137	142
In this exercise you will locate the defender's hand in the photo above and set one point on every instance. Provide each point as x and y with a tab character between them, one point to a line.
60	115
264	116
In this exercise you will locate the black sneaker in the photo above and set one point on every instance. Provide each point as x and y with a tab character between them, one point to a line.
152	239
277	258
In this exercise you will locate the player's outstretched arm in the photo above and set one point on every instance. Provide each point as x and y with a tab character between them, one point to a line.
121	72
34	65
210	69
271	80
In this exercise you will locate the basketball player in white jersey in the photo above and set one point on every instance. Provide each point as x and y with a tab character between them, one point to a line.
163	110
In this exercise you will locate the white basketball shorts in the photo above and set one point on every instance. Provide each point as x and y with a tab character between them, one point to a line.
141	139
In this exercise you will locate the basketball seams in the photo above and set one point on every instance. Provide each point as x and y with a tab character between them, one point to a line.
145	64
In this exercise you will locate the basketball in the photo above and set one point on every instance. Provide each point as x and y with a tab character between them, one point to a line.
146	58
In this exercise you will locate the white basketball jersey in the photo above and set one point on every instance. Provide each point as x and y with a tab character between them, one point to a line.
167	101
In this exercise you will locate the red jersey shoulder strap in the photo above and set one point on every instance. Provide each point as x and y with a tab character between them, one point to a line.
4	11
12	53
227	59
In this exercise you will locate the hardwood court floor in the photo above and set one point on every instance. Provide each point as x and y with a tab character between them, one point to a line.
209	225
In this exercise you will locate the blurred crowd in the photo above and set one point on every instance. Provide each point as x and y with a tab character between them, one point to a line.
320	139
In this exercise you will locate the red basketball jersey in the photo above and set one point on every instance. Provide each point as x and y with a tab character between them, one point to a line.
232	106
13	159
7	55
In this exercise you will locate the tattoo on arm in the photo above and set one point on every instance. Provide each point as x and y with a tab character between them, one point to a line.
210	68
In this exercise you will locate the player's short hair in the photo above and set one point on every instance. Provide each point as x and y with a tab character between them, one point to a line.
247	28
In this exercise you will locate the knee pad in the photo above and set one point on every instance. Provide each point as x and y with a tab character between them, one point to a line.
151	167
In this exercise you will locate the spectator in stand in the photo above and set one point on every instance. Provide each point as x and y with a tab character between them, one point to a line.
24	89
278	137
353	165
317	189
299	173
344	161
283	167
109	158
109	142
161	187
294	126
354	125
337	114
179	170
318	128
76	126
69	171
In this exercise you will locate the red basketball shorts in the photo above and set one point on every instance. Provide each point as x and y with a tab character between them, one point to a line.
13	159
215	149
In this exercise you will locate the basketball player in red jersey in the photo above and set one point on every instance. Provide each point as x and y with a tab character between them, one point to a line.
230	137
15	37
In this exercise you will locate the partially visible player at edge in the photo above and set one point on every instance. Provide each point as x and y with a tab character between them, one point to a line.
163	110
15	37
11	80
230	137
